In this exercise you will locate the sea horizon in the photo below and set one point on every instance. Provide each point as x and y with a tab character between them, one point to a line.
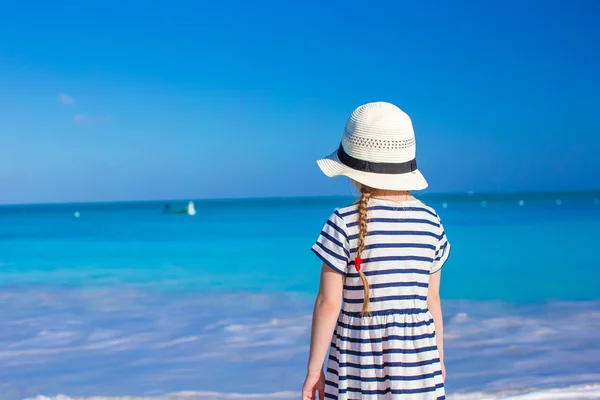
420	195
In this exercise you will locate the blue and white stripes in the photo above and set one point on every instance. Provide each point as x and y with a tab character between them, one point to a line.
333	245
391	353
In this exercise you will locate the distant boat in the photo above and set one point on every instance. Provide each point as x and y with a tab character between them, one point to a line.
189	209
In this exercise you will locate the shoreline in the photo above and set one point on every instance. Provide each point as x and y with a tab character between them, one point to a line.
587	391
107	343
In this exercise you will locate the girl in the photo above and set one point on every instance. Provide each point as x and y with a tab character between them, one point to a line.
381	266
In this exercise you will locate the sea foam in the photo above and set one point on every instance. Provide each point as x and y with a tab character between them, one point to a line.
583	392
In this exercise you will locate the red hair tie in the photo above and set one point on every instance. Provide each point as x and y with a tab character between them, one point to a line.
357	262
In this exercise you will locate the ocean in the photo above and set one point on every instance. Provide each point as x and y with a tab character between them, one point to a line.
122	299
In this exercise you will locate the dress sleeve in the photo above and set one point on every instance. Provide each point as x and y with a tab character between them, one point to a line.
442	251
332	245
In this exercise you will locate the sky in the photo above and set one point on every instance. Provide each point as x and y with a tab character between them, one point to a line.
138	100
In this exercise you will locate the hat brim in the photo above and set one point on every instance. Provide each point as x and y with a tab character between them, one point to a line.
332	167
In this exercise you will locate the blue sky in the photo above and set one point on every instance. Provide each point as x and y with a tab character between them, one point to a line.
143	100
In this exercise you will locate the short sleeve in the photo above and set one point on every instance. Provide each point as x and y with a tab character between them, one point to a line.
442	251
332	245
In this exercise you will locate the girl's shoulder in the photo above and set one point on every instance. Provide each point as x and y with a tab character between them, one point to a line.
427	208
347	215
346	211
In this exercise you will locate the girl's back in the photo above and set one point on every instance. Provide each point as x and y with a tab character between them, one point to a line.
392	350
405	243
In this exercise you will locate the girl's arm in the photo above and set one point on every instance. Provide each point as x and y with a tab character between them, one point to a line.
325	315
435	308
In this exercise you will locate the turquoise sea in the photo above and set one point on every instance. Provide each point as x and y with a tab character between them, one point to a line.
127	300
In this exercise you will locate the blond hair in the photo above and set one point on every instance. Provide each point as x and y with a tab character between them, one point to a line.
363	208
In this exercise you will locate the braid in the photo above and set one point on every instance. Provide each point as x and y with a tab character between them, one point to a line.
363	204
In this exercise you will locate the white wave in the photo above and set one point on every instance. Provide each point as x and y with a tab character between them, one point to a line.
567	393
252	343
583	392
192	395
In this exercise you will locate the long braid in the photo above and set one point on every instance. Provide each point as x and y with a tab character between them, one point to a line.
363	204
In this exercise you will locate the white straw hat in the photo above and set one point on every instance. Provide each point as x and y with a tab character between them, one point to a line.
378	149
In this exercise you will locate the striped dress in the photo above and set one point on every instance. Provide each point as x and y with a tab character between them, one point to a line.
392	353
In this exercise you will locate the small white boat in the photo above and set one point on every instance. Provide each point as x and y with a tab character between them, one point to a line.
191	210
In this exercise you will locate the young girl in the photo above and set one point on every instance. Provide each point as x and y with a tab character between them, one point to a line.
381	266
